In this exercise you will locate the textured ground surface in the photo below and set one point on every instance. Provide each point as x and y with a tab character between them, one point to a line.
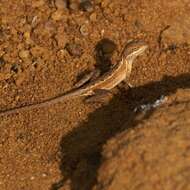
44	46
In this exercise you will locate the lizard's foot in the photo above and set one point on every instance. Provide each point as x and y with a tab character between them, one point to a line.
98	97
125	85
88	77
96	74
130	85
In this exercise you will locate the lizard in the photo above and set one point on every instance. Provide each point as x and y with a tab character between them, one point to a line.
118	73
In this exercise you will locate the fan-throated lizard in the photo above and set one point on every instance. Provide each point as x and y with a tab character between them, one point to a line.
118	73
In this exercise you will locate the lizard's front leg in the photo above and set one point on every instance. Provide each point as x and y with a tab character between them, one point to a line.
88	77
126	82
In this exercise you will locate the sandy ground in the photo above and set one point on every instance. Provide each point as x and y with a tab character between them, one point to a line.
44	46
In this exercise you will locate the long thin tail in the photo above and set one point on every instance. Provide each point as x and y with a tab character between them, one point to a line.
44	103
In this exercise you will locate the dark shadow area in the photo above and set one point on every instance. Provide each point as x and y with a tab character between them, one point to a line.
81	149
103	53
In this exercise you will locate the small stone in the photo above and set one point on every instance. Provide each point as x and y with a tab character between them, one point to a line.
24	54
15	68
1	61
93	17
105	3
27	37
61	54
61	37
61	4
73	6
57	15
20	78
38	3
44	175
86	6
32	178
37	51
74	49
4	76
1	52
84	30
34	21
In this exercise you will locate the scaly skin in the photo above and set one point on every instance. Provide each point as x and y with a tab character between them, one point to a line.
120	72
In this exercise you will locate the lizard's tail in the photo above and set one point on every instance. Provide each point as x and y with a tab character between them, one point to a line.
44	103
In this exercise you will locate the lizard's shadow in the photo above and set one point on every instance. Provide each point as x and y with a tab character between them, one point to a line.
102	54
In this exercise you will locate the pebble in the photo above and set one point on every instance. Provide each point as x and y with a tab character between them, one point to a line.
38	3
4	76
93	17
61	4
86	6
44	175
34	21
27	37
15	68
105	3
73	6
20	78
2	61
23	54
57	15
84	30
74	49
61	37
61	54
32	178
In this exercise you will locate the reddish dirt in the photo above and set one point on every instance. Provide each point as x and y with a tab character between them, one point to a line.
44	46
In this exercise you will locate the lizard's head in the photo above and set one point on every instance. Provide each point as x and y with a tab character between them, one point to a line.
133	49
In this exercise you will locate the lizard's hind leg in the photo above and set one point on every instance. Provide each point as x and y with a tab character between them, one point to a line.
88	77
98	96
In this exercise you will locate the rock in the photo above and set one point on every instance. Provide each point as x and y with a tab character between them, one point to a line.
153	154
93	17
4	76
74	6
24	54
1	61
27	37
84	30
21	77
61	37
86	6
61	4
74	49
61	54
15	68
57	15
38	3
37	51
